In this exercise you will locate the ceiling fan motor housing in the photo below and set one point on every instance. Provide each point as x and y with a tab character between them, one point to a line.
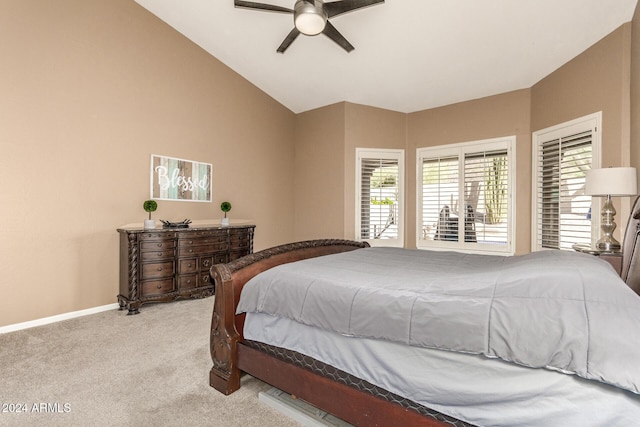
309	17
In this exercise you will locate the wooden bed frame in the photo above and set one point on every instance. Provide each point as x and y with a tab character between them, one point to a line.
232	357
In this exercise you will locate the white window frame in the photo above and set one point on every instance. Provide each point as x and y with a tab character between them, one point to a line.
591	122
460	149
388	154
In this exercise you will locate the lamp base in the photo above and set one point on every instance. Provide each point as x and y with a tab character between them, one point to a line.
608	245
607	242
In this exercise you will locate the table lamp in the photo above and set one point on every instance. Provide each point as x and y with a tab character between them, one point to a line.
609	182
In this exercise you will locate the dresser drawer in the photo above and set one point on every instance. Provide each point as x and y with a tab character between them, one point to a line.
157	235
206	262
153	270
203	249
187	266
157	245
158	287
188	281
209	261
239	244
205	279
194	241
239	234
203	233
150	256
220	258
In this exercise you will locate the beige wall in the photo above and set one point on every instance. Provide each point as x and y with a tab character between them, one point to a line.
326	139
596	80
492	117
319	174
90	88
324	133
368	127
94	87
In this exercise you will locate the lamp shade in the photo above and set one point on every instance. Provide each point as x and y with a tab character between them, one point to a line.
611	182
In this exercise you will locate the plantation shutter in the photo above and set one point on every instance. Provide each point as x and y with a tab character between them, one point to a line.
380	196
465	195
440	183
486	183
564	215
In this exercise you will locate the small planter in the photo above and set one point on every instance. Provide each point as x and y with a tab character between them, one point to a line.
149	206
225	207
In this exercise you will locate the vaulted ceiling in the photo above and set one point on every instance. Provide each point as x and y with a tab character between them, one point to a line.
409	55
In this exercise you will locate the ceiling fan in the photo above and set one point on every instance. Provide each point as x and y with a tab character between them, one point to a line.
311	17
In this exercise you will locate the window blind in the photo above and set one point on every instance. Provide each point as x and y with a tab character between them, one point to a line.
465	196
440	183
486	181
379	209
563	211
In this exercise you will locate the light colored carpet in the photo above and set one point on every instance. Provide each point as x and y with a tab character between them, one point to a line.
111	369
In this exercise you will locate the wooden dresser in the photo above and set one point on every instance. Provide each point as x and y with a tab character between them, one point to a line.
163	265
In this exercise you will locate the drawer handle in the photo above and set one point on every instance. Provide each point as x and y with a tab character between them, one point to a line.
189	265
159	253
190	250
206	263
189	282
159	286
159	268
190	242
205	279
159	245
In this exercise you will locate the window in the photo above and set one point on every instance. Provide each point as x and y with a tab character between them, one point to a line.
562	155
465	196
379	193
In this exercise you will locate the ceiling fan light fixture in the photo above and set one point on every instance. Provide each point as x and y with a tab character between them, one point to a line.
309	19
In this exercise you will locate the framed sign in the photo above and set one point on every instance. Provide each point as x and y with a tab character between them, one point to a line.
179	179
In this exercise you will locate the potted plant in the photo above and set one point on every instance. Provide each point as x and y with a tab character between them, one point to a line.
149	206
225	207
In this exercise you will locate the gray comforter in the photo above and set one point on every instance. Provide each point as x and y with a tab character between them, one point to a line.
561	310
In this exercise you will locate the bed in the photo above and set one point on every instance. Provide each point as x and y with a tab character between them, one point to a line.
385	353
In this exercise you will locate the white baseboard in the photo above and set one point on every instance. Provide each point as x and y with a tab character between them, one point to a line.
57	318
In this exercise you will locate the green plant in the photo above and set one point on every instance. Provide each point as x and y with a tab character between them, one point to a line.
150	206
386	201
225	207
496	190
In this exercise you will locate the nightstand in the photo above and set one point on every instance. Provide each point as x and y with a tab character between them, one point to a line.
613	258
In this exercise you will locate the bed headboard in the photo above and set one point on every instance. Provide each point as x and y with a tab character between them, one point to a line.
631	250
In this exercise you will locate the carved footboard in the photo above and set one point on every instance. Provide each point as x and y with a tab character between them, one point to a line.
229	279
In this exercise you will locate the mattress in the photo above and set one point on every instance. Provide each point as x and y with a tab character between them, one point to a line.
308	363
472	388
562	310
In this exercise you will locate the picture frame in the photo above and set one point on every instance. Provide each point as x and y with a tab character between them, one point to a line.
180	179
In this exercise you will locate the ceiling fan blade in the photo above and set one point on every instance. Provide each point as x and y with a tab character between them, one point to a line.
288	40
331	32
261	6
344	6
